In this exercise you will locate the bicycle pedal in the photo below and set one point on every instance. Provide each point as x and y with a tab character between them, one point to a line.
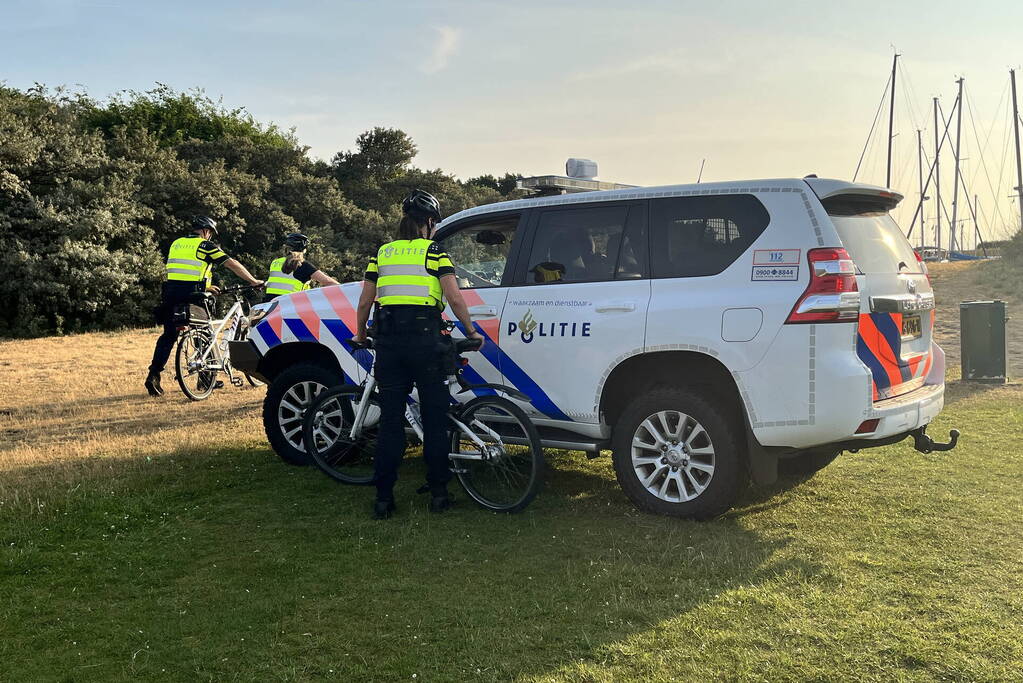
237	381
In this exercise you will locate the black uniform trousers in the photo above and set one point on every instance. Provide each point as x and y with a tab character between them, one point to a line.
405	357
172	294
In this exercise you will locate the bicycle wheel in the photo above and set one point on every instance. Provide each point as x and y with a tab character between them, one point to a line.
326	434
194	379
253	381
507	473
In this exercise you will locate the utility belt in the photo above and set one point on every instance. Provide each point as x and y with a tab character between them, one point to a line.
411	321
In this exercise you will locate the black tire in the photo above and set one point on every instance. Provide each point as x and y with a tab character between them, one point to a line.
195	384
685	487
253	382
325	434
510	479
298	384
806	464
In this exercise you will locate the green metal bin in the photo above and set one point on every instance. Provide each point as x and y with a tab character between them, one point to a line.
982	340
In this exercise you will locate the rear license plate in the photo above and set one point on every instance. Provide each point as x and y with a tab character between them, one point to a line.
911	326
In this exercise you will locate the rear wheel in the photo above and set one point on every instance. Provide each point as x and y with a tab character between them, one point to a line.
507	472
326	432
284	407
194	379
675	453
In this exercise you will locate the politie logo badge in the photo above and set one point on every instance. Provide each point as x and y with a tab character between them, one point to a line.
528	328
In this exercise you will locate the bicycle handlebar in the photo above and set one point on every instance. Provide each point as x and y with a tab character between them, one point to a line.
461	345
240	288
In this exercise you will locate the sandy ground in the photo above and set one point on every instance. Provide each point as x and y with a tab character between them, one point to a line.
73	399
971	281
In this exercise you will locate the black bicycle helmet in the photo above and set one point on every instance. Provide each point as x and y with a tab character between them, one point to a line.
204	223
421	204
296	241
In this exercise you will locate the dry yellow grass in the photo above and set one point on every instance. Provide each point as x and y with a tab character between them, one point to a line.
79	400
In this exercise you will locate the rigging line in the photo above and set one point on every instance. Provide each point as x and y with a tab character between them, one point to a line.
884	97
907	100
911	90
984	145
1005	157
930	174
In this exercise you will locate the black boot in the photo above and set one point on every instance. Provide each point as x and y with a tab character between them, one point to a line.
439	502
153	384
382	509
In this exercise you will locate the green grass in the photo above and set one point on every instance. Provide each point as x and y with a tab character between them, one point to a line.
221	565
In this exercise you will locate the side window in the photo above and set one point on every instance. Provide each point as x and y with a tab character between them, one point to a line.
695	236
480	252
577	245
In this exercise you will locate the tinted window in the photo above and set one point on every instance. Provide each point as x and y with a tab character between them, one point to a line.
876	244
577	245
694	236
480	252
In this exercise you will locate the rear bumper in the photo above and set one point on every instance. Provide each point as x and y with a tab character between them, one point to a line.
245	357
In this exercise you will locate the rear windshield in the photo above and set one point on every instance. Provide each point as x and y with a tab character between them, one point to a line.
876	244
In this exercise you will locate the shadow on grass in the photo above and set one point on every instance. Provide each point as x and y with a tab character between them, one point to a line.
236	546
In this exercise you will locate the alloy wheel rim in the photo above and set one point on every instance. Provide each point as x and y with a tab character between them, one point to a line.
672	456
291	411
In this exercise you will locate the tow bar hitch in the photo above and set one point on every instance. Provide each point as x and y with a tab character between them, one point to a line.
926	444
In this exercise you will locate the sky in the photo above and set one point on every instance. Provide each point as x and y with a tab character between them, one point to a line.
648	89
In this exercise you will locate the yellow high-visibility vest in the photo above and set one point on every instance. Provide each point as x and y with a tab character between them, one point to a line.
183	262
402	275
280	282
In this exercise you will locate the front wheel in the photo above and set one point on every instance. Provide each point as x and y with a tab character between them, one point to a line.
284	406
194	379
504	471
327	434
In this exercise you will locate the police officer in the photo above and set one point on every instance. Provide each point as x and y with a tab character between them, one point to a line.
291	272
189	263
410	278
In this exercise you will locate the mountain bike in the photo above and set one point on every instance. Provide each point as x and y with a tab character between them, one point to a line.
495	448
202	344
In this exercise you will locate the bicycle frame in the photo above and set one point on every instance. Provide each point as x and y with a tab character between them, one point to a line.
216	328
414	421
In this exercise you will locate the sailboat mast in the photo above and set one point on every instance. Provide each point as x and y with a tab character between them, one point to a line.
920	174
937	181
955	180
1015	130
891	122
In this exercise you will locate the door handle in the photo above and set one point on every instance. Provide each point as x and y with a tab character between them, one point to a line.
483	311
612	306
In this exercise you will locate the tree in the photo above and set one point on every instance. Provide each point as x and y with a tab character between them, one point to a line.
72	259
172	117
92	194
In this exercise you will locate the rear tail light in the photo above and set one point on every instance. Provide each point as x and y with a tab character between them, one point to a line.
923	266
832	295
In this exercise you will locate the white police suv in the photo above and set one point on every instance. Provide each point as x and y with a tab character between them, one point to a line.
703	333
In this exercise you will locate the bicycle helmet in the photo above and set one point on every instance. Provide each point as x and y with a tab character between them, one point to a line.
204	223
421	204
296	241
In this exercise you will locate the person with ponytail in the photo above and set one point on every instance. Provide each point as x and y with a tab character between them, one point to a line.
410	278
291	272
